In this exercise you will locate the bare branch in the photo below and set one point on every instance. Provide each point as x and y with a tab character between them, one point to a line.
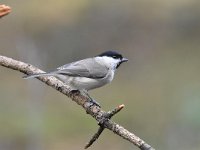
95	136
115	111
95	111
108	115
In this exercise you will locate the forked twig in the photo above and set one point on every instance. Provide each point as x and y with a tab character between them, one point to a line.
108	115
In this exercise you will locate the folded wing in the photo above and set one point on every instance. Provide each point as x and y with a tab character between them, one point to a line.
88	68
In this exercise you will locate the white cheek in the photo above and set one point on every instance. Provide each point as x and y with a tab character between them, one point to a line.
109	62
113	63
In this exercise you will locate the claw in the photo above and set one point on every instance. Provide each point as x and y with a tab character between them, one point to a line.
95	102
91	99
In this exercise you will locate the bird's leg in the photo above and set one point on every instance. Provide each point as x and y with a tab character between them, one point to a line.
91	99
84	92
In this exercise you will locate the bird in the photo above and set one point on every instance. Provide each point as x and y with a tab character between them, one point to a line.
87	74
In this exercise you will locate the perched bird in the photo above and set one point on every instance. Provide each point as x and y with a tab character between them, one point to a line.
89	73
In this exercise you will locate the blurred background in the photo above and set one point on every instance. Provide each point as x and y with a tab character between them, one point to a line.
160	85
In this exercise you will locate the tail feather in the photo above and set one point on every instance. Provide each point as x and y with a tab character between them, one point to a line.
37	75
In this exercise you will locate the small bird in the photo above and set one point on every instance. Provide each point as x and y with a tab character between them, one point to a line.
89	73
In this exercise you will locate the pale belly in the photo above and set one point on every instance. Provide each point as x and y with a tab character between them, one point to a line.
83	83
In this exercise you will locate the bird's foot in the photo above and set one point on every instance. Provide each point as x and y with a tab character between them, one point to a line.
95	102
74	92
91	99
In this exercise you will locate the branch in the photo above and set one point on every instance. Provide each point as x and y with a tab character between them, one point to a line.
4	10
102	117
109	115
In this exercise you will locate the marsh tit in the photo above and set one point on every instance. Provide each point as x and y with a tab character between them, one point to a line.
89	73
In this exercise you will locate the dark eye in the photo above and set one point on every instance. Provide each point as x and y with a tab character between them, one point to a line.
114	56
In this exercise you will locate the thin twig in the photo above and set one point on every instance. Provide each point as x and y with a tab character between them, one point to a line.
95	136
108	115
95	111
115	111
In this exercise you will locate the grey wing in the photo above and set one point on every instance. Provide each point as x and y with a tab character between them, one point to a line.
84	68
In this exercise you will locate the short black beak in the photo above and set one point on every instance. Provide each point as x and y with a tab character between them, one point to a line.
124	60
